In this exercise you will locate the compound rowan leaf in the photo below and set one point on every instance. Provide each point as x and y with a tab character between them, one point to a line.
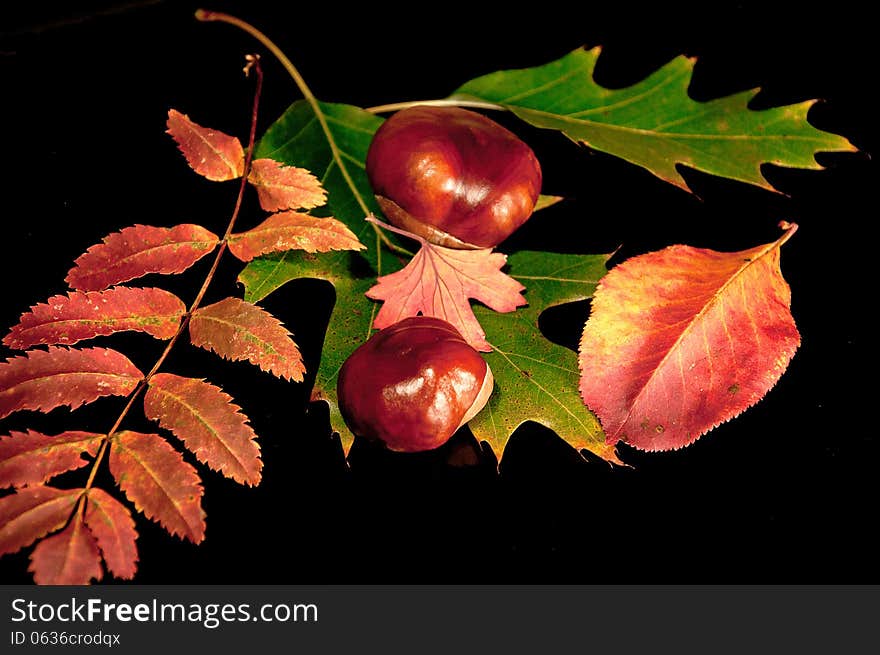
209	424
238	330
32	512
87	314
112	526
32	458
439	281
137	251
535	379
293	231
683	339
654	123
155	477
210	153
43	380
70	557
281	187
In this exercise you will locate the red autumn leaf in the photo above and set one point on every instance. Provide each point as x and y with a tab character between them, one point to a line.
137	251
87	314
440	281
70	557
32	512
281	187
209	424
211	154
112	526
293	231
683	339
159	482
43	380
32	458
237	330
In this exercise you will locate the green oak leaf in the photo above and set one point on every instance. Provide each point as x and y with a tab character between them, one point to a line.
298	139
654	123
536	379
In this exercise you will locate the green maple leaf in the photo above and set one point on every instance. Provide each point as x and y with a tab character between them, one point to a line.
654	123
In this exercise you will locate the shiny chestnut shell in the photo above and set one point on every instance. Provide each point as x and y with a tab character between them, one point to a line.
413	384
453	176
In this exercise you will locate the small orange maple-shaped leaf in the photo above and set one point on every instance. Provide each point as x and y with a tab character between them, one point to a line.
32	458
210	153
683	339
70	557
138	250
237	330
209	424
159	482
440	281
113	528
281	187
293	231
84	315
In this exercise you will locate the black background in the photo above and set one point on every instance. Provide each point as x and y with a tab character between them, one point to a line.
784	493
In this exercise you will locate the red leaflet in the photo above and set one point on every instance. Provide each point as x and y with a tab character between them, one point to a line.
439	281
293	231
70	557
237	330
28	514
282	187
84	315
112	526
138	250
160	484
32	458
683	339
207	422
211	154
44	380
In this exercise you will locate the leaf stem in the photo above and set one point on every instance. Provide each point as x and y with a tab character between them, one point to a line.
442	102
211	16
253	64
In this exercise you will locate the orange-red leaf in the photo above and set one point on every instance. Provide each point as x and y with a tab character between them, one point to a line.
32	458
207	422
293	231
111	524
211	154
87	314
70	557
237	330
281	187
137	251
159	482
683	339
32	512
43	380
440	281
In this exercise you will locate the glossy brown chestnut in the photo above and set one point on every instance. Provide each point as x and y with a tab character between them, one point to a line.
413	384
453	176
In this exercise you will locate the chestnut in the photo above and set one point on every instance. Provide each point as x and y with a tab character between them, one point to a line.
413	384
452	176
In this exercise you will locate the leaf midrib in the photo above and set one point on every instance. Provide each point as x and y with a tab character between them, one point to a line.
677	136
